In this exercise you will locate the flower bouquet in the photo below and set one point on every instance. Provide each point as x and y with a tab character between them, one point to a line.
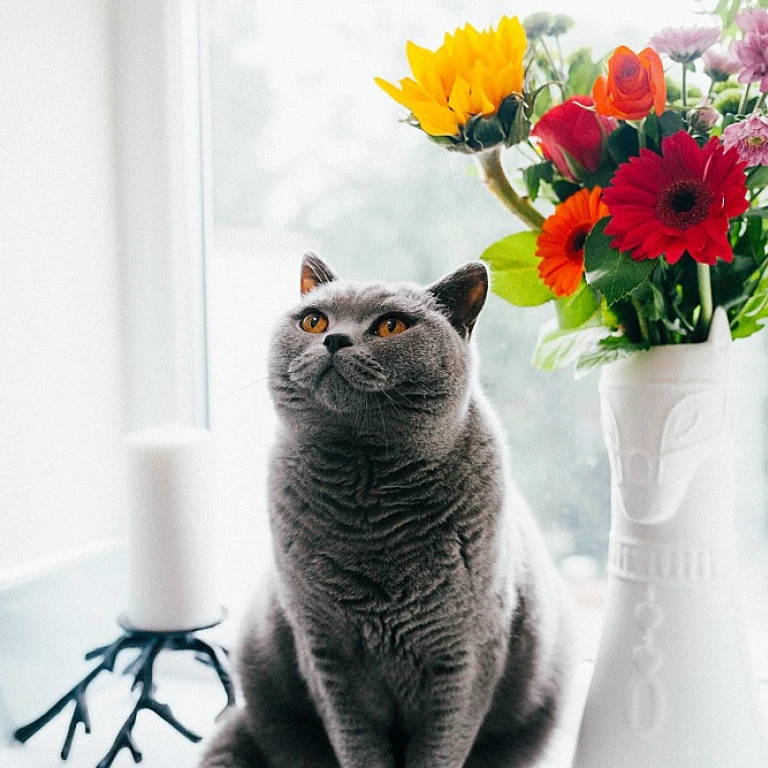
656	242
657	185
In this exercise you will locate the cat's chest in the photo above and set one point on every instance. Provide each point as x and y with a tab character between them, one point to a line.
363	495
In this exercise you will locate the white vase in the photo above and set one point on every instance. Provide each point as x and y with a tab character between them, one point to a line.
672	685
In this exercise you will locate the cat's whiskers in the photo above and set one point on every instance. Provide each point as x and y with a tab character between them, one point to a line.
240	389
383	425
405	397
364	420
392	401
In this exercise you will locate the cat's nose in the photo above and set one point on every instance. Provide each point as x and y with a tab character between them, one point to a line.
337	341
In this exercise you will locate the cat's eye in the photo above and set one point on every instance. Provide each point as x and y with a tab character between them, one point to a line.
314	322
390	326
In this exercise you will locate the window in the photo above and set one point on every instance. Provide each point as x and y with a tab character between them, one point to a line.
309	154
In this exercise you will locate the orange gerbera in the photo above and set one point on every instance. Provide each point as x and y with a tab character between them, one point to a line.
561	242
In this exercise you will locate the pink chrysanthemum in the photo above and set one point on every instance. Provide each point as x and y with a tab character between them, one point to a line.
720	64
684	44
750	139
678	201
752	53
753	20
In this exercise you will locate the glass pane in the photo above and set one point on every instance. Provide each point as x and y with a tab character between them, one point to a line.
310	154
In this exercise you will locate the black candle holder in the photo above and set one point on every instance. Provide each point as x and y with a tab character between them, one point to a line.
149	644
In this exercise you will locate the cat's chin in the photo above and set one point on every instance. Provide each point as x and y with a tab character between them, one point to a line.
339	395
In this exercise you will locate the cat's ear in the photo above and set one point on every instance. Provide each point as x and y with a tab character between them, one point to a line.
314	272
461	295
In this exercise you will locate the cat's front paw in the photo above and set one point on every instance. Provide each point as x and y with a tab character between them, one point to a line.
233	746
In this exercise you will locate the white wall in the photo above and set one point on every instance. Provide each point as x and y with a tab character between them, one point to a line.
60	384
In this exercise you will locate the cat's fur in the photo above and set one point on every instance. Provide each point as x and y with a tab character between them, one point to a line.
414	618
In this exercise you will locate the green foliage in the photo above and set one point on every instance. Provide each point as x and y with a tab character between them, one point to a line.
541	101
561	23
727	10
584	347
670	123
558	348
538	24
613	273
752	315
742	286
757	178
514	270
564	189
582	72
575	310
623	143
609	350
535	174
728	101
673	89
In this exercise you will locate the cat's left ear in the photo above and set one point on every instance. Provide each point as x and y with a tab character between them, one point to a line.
462	295
314	272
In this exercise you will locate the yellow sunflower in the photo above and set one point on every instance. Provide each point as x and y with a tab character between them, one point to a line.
470	88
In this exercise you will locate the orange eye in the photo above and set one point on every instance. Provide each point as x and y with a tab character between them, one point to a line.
391	326
314	322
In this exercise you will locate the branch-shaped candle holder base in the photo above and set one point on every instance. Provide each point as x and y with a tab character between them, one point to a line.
149	645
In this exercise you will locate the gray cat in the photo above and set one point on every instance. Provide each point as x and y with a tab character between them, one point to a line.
414	620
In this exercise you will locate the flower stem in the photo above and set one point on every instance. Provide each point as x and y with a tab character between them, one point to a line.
684	85
557	75
641	142
711	89
744	99
496	180
642	322
705	292
760	102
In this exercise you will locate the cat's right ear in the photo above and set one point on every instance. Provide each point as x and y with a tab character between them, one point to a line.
314	272
461	295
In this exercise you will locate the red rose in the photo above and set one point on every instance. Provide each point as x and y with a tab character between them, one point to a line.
570	132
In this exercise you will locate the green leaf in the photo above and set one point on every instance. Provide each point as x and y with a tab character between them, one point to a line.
515	270
613	273
564	189
650	300
623	143
751	317
757	178
541	101
535	174
582	72
652	132
671	122
558	348
609	350
758	213
575	310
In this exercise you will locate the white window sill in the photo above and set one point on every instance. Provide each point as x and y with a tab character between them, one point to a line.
195	695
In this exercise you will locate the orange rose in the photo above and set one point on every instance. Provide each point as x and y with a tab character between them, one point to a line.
634	85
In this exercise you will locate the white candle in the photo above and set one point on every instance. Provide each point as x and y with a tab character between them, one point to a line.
171	580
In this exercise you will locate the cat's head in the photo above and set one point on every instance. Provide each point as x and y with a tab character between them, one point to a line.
376	356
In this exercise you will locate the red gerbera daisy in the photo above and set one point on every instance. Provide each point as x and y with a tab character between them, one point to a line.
561	242
677	202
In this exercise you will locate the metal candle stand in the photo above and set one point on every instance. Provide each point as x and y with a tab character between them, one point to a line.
149	644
